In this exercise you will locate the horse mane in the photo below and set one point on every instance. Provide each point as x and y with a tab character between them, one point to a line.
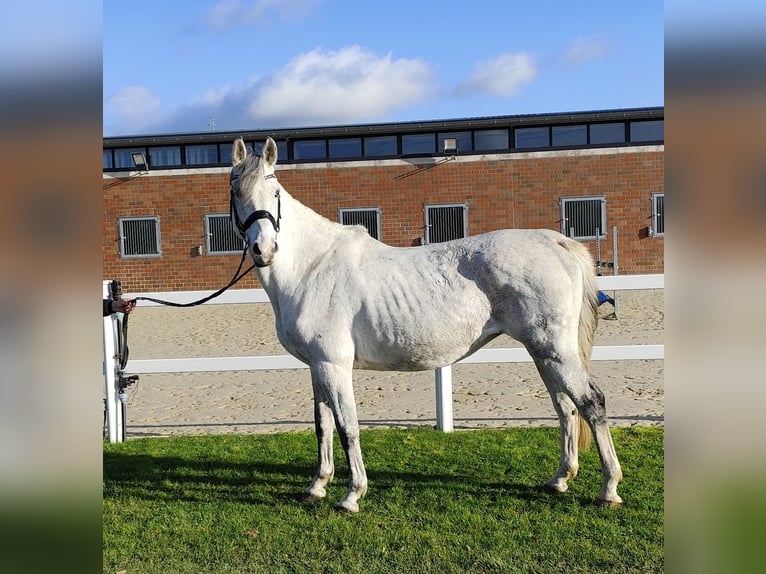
249	170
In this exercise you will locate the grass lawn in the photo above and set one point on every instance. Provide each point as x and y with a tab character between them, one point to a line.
464	502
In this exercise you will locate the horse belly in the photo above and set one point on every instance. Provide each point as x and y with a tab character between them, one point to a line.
420	347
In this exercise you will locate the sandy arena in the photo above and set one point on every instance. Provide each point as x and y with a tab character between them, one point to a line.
484	395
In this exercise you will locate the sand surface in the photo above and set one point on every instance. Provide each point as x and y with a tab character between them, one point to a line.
484	395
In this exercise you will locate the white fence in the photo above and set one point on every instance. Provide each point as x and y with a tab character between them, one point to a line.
443	376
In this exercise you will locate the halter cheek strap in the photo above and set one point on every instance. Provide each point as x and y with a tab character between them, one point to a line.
257	214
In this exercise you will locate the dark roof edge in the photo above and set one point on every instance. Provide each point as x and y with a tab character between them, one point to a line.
392	127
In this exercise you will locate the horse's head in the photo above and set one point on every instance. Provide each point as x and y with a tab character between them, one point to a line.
255	202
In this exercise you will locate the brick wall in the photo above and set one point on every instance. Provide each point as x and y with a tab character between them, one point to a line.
520	190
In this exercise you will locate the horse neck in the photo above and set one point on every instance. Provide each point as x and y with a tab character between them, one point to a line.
304	236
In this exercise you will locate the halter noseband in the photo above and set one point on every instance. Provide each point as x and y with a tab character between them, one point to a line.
256	215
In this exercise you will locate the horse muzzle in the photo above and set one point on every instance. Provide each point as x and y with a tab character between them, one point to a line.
260	259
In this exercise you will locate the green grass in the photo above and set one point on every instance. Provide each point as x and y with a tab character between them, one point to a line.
463	502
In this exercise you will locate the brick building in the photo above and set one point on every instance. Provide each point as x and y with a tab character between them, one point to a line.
166	227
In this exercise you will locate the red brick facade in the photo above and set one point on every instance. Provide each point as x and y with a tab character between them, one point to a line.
521	190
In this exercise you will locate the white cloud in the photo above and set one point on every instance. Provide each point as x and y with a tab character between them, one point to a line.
228	14
502	76
584	49
349	84
136	108
319	87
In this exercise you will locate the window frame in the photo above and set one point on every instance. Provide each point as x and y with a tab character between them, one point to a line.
122	237
565	229
520	131
209	235
157	156
656	214
332	151
383	141
210	147
425	140
427	220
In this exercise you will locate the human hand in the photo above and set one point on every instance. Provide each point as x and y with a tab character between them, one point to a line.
123	306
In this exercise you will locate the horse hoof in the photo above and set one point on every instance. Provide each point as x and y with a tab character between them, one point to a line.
309	498
607	503
548	489
348	507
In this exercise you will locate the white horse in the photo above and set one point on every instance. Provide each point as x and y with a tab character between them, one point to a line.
344	300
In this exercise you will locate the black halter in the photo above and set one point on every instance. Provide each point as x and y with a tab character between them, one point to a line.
256	215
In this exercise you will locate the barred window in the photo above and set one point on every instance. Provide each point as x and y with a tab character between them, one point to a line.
369	217
140	236
220	235
658	214
446	222
583	217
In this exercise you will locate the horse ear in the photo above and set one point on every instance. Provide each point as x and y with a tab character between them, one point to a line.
238	152
269	153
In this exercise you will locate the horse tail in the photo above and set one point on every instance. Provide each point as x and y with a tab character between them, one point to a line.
587	323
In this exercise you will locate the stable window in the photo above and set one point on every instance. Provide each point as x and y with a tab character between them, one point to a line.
532	137
611	133
445	222
464	143
413	144
570	135
647	131
345	147
165	156
220	235
203	154
140	236
583	217
380	146
490	139
368	217
123	158
658	214
107	163
309	149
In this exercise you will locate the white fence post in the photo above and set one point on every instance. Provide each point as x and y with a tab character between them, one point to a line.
444	399
114	423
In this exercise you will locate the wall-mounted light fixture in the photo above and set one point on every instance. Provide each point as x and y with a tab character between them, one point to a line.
139	161
450	146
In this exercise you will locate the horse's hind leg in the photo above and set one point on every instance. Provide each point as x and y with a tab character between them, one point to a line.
592	407
569	433
335	383
325	470
570	377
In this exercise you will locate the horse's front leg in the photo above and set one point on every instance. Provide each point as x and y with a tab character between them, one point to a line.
336	384
325	470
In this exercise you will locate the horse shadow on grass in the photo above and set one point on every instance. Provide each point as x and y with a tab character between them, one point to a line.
172	478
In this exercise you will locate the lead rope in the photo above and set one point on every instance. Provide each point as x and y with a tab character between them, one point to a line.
235	279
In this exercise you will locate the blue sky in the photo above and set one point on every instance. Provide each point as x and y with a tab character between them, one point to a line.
260	64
